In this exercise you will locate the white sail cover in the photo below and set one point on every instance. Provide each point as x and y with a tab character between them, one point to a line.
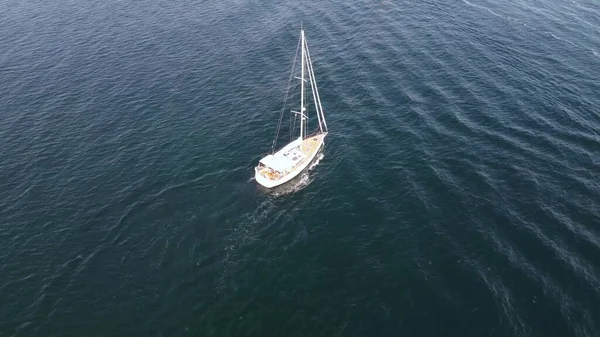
278	163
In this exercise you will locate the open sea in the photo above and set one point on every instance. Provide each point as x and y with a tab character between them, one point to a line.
458	193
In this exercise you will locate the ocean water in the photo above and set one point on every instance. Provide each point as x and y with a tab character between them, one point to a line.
457	193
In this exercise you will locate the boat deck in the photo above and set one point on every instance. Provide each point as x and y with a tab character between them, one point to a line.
311	145
309	148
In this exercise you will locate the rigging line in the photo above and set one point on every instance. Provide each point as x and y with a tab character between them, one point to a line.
313	86
293	127
315	131
285	99
293	120
316	90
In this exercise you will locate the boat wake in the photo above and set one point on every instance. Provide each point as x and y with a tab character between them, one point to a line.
299	183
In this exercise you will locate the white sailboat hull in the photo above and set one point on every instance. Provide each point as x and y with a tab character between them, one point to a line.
310	148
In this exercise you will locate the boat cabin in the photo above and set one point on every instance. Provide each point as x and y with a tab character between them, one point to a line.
275	165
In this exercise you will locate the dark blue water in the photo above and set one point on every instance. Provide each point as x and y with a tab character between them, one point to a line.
457	194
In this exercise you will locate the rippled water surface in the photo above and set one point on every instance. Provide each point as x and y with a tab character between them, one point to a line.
457	194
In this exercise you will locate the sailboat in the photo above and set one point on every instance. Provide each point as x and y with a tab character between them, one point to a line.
280	166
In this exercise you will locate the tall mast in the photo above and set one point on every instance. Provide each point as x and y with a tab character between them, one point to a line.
302	108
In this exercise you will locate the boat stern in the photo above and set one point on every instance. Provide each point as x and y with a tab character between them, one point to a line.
264	177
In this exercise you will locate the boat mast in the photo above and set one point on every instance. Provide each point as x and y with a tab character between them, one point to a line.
302	108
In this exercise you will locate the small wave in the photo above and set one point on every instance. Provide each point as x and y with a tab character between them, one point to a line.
491	278
578	265
560	39
576	228
540	277
483	7
518	21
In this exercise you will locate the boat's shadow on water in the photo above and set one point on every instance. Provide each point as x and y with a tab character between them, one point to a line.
297	184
